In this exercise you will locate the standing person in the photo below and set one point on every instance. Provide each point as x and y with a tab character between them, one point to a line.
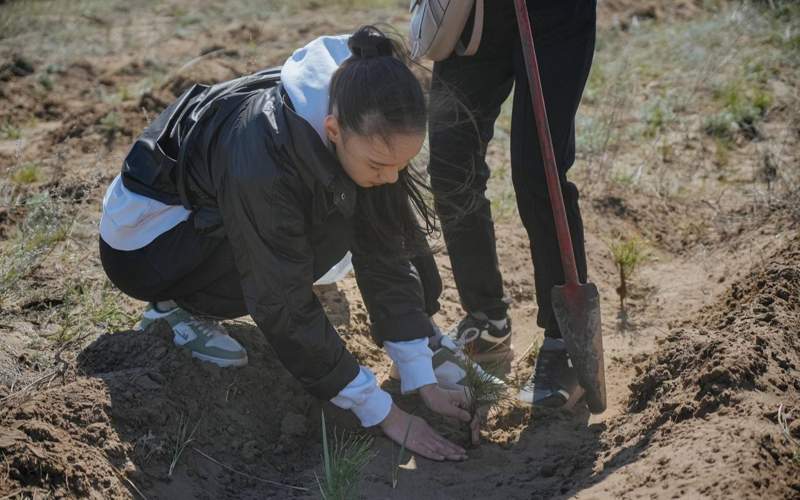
240	195
564	32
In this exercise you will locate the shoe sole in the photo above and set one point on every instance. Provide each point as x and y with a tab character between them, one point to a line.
548	404
574	398
492	357
222	363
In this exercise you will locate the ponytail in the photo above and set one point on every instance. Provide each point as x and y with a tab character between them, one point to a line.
373	93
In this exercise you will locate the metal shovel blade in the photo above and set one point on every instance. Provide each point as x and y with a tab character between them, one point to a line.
577	310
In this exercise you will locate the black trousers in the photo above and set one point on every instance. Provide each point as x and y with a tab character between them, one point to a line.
199	273
196	271
564	35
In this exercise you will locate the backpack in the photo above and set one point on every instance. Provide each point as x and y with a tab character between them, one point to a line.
154	166
437	27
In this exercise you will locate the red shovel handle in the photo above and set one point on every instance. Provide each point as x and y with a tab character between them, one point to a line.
546	145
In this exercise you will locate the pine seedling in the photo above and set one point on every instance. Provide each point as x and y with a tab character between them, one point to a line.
628	255
343	461
484	392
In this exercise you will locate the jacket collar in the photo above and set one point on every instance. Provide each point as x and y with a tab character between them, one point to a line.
303	143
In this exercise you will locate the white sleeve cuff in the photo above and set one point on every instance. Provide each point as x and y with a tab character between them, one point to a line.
414	360
362	395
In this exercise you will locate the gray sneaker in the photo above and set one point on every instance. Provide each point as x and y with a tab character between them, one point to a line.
207	340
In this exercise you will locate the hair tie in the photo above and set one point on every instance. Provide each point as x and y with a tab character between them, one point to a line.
366	43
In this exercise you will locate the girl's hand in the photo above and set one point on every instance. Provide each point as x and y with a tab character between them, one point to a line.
420	437
450	403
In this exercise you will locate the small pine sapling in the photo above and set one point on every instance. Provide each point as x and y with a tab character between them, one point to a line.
628	255
484	392
343	461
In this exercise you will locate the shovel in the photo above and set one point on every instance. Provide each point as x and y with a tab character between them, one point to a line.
576	305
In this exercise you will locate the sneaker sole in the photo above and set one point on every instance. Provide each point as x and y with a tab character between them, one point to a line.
499	357
574	398
222	363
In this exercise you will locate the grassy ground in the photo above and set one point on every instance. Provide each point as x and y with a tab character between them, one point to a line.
664	100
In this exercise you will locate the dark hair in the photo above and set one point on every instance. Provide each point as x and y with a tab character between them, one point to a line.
375	93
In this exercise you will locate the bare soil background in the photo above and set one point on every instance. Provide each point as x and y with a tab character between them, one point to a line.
688	137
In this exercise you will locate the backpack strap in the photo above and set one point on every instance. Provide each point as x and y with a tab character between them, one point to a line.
477	32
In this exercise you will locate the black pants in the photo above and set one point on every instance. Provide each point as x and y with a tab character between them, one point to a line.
564	35
196	271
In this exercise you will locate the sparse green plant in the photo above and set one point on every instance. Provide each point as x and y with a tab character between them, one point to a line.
720	126
28	173
183	437
343	461
722	152
110	125
628	255
656	116
89	305
46	82
667	152
742	105
9	131
46	223
124	93
626	179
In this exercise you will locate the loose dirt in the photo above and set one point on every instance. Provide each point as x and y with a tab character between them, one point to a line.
703	367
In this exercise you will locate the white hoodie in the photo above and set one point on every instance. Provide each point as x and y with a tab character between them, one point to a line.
131	221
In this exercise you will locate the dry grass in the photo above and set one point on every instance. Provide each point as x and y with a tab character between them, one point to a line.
784	417
27	173
101	27
661	95
184	436
9	131
90	307
47	222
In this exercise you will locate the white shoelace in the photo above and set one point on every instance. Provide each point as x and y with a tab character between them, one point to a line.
207	328
470	334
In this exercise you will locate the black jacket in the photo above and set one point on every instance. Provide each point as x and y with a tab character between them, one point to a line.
255	172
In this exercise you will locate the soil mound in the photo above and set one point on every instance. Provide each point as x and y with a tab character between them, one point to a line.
725	378
114	425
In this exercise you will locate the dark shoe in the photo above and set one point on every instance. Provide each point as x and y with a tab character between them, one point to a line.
482	341
554	382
